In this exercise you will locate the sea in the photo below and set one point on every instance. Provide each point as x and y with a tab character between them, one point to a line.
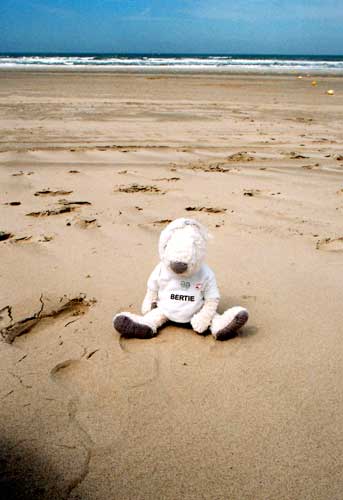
208	63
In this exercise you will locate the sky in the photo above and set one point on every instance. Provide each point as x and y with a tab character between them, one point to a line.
169	26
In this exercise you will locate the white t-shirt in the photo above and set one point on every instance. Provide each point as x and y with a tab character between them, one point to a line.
179	298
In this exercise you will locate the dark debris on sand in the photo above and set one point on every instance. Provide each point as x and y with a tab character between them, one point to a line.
209	210
5	236
138	188
49	192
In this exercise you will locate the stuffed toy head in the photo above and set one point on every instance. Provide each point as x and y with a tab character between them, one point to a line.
182	246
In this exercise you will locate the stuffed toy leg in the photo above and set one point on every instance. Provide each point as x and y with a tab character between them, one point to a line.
222	326
131	325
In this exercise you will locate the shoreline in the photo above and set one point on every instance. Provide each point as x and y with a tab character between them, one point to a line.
175	72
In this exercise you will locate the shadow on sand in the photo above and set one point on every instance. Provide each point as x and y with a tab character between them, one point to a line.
25	474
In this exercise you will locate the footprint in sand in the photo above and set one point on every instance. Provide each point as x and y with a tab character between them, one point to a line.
330	244
66	306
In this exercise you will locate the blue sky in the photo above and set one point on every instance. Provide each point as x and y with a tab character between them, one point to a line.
239	26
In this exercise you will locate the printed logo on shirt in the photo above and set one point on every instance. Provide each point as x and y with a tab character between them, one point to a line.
185	285
198	286
188	298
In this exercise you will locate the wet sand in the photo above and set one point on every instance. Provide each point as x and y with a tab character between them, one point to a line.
92	167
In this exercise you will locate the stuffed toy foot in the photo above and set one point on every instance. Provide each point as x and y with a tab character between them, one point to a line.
234	318
130	326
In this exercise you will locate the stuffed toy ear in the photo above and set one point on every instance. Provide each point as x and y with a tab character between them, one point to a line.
168	231
203	231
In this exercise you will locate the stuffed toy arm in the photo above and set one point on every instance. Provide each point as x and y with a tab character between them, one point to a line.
202	319
149	302
150	299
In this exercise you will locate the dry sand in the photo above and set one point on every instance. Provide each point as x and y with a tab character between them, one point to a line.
85	415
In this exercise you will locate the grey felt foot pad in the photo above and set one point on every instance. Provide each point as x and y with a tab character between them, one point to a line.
230	330
130	329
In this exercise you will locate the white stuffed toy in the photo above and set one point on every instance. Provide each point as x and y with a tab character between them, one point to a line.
182	289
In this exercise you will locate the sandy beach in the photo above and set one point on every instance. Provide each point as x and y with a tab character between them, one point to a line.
92	167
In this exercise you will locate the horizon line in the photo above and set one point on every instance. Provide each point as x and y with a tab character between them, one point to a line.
153	53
